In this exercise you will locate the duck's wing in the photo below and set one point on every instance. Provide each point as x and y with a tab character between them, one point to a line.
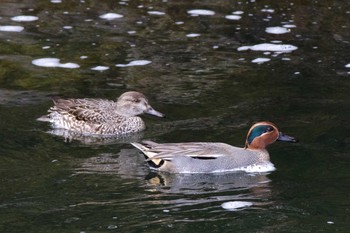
89	110
169	151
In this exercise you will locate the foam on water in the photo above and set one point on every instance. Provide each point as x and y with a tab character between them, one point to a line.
283	48
268	10
236	205
197	12
347	65
135	63
155	13
111	16
100	68
24	18
11	28
193	35
54	62
256	168
261	60
233	17
238	12
289	26
259	168
277	30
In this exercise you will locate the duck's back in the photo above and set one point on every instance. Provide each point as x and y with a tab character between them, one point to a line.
208	157
92	116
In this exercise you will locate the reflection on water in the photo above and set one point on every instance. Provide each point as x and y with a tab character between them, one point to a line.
214	67
195	189
69	136
194	183
124	164
217	189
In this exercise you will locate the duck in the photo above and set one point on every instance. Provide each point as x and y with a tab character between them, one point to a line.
89	116
215	157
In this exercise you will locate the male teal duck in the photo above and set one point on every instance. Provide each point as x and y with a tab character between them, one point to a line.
205	157
101	117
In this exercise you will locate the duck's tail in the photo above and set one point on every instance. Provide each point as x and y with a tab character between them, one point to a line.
149	154
44	118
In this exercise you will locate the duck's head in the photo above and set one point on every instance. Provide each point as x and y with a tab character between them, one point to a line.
134	103
263	134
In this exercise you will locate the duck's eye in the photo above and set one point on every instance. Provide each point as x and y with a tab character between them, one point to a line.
268	129
136	100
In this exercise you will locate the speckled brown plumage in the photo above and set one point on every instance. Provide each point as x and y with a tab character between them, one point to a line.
101	117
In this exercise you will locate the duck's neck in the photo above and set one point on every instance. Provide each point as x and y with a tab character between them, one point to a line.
123	110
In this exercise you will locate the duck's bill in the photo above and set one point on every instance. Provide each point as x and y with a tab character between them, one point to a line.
153	112
286	138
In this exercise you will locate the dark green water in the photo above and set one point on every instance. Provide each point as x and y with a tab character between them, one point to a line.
209	90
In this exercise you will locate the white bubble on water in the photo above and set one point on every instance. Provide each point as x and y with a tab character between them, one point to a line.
56	1
268	10
260	60
191	35
236	205
24	18
111	16
112	227
289	26
237	12
54	62
135	63
277	30
11	28
233	17
155	13
284	48
100	68
347	65
196	12
259	168
67	27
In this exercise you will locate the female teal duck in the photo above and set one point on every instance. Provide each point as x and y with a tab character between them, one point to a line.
203	157
101	117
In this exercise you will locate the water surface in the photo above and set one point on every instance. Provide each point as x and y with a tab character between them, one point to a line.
214	68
